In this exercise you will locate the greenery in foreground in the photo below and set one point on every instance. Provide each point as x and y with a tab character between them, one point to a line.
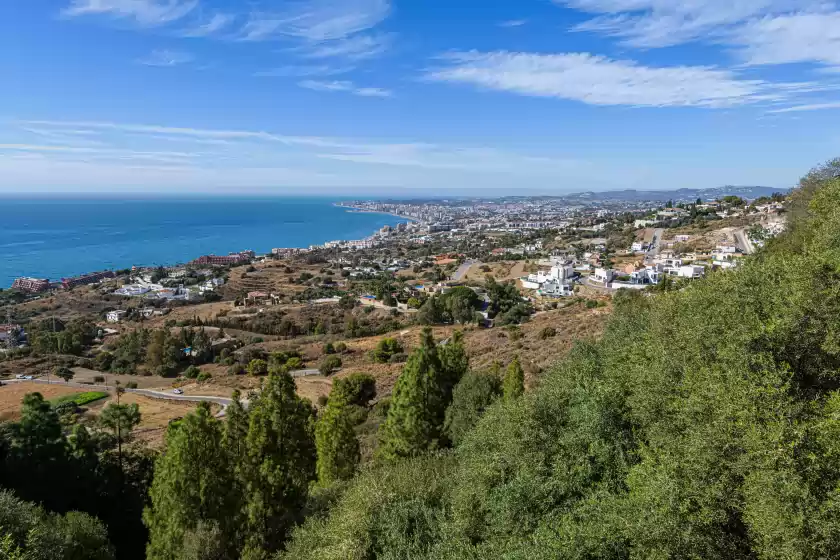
705	424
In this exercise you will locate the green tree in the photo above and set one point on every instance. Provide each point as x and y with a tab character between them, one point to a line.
192	485
336	442
357	389
63	372
120	419
385	348
257	368
329	365
423	391
472	396
514	383
279	465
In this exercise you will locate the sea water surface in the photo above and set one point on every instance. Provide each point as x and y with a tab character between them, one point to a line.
55	238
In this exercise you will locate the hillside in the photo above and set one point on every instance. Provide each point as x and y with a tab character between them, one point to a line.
702	425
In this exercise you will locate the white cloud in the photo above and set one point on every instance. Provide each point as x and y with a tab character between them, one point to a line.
166	58
792	38
318	20
513	23
354	48
143	12
661	23
761	31
345	86
598	80
211	27
810	107
302	71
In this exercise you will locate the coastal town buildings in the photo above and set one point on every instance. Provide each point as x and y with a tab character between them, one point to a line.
31	285
85	279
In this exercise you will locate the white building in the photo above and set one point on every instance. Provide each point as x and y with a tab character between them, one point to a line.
559	273
602	276
115	316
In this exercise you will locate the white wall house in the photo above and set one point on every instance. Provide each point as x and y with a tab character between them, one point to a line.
115	316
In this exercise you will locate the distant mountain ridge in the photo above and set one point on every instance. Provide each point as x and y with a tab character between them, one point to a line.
747	192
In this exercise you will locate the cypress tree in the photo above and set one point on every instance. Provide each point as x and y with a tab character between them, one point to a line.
280	464
423	392
190	486
514	384
335	440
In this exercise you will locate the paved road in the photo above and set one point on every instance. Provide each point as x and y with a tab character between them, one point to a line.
744	242
459	274
164	395
655	244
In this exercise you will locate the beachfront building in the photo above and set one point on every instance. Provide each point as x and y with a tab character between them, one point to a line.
232	259
31	285
85	279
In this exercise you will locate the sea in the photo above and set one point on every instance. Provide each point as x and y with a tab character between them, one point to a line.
61	237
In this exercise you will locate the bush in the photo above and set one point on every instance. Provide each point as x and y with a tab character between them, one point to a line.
398	358
204	376
99	379
329	365
258	367
192	372
357	389
131	385
386	348
340	348
548	332
471	397
329	348
591	303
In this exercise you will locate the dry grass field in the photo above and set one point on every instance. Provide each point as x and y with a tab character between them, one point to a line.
11	396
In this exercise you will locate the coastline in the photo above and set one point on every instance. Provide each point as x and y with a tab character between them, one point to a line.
357	210
45	241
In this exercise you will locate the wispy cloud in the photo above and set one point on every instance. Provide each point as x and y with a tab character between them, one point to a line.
318	20
143	12
166	58
597	80
513	23
661	23
792	38
354	48
210	27
760	31
303	71
346	87
810	107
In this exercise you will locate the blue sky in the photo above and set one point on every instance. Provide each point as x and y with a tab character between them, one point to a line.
414	96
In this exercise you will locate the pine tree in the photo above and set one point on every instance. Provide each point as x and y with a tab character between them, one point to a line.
335	440
280	464
191	486
514	384
423	392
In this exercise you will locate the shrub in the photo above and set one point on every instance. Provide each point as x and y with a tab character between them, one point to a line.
340	348
99	379
398	358
192	372
131	385
257	367
329	365
548	332
204	376
386	348
591	303
329	348
357	389
471	397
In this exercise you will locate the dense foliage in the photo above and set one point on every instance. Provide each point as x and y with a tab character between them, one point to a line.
703	425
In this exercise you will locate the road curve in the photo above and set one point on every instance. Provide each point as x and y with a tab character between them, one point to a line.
221	401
